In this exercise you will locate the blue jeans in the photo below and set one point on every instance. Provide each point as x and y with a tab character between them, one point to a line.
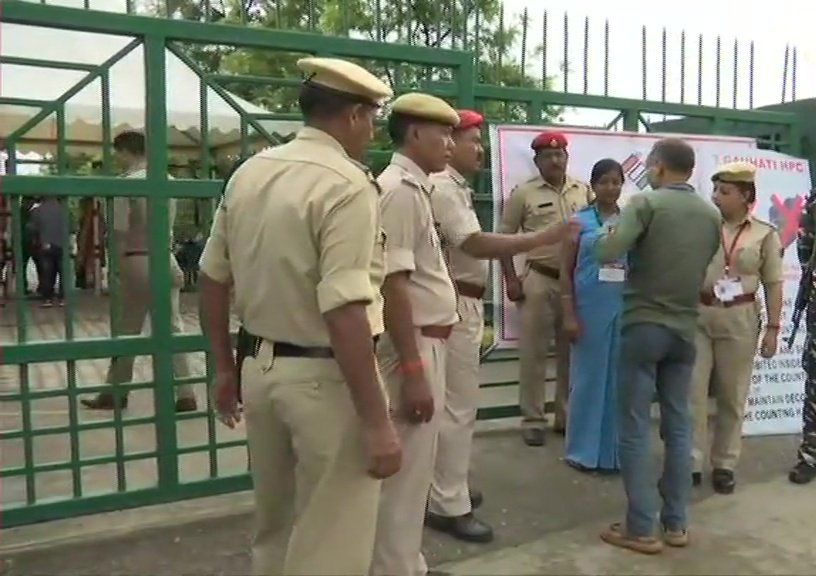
655	359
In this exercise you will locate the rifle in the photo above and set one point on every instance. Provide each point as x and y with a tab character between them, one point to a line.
802	299
803	293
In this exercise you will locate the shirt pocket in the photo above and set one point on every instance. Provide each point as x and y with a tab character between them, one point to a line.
542	214
749	260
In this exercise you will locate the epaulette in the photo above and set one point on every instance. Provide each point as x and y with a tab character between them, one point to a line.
764	222
410	181
360	165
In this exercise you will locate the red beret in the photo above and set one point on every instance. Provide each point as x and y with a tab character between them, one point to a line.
469	119
551	140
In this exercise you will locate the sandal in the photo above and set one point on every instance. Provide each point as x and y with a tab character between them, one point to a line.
616	535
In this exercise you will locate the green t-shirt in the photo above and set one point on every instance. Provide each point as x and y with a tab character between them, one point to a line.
671	234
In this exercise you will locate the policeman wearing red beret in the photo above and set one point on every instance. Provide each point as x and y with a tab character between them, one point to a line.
467	247
546	200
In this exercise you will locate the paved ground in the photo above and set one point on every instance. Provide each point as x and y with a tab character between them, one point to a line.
546	516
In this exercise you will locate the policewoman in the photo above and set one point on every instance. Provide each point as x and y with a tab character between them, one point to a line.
729	328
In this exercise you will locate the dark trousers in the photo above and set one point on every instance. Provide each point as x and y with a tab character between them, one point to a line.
51	262
807	450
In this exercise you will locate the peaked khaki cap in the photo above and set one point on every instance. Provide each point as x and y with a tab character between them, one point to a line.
735	172
426	107
346	77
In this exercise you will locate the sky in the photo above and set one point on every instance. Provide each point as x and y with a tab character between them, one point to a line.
771	25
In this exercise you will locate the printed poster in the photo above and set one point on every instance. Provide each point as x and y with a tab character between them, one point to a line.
783	182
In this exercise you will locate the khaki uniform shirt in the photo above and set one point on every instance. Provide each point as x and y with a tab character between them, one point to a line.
536	205
298	232
452	202
130	220
413	243
756	259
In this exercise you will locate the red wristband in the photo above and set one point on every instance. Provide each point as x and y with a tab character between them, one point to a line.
411	367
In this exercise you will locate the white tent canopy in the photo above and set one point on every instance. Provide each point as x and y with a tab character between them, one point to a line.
83	112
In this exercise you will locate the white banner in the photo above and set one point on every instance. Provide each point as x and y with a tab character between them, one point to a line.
775	401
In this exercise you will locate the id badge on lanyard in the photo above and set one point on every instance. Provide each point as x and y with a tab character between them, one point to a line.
728	288
612	271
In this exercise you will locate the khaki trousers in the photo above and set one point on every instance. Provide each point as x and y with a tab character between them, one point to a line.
135	308
726	343
398	547
541	323
450	495
307	458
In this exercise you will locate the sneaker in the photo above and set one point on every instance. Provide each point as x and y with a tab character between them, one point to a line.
616	535
47	304
676	538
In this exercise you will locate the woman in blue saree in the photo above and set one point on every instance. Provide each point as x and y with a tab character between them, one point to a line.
592	298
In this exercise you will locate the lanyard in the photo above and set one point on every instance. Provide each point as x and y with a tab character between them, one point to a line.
597	216
729	252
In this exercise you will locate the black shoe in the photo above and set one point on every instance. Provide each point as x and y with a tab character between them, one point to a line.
466	527
696	478
104	401
723	481
533	436
476	498
802	473
186	405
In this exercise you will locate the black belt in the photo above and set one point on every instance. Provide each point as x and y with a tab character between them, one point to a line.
545	270
287	350
136	253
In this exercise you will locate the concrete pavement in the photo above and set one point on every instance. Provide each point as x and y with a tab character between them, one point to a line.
766	528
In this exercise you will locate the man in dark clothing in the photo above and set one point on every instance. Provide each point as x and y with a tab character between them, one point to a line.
50	221
805	469
31	248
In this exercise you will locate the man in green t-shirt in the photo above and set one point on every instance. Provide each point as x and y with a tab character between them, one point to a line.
670	234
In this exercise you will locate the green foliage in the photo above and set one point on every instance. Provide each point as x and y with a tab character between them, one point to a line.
478	26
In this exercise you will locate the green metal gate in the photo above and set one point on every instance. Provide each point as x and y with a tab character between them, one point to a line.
94	480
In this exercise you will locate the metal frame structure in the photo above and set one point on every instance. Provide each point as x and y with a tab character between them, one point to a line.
157	35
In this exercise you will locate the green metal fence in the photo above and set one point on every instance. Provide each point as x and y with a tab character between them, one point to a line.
148	445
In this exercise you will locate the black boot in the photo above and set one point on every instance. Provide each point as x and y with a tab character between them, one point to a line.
802	473
104	401
466	527
476	498
723	481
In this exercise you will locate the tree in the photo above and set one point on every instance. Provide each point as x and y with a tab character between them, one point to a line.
474	25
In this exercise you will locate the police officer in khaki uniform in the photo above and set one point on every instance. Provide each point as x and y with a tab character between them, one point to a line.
298	235
466	247
130	234
420	311
729	323
548	199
